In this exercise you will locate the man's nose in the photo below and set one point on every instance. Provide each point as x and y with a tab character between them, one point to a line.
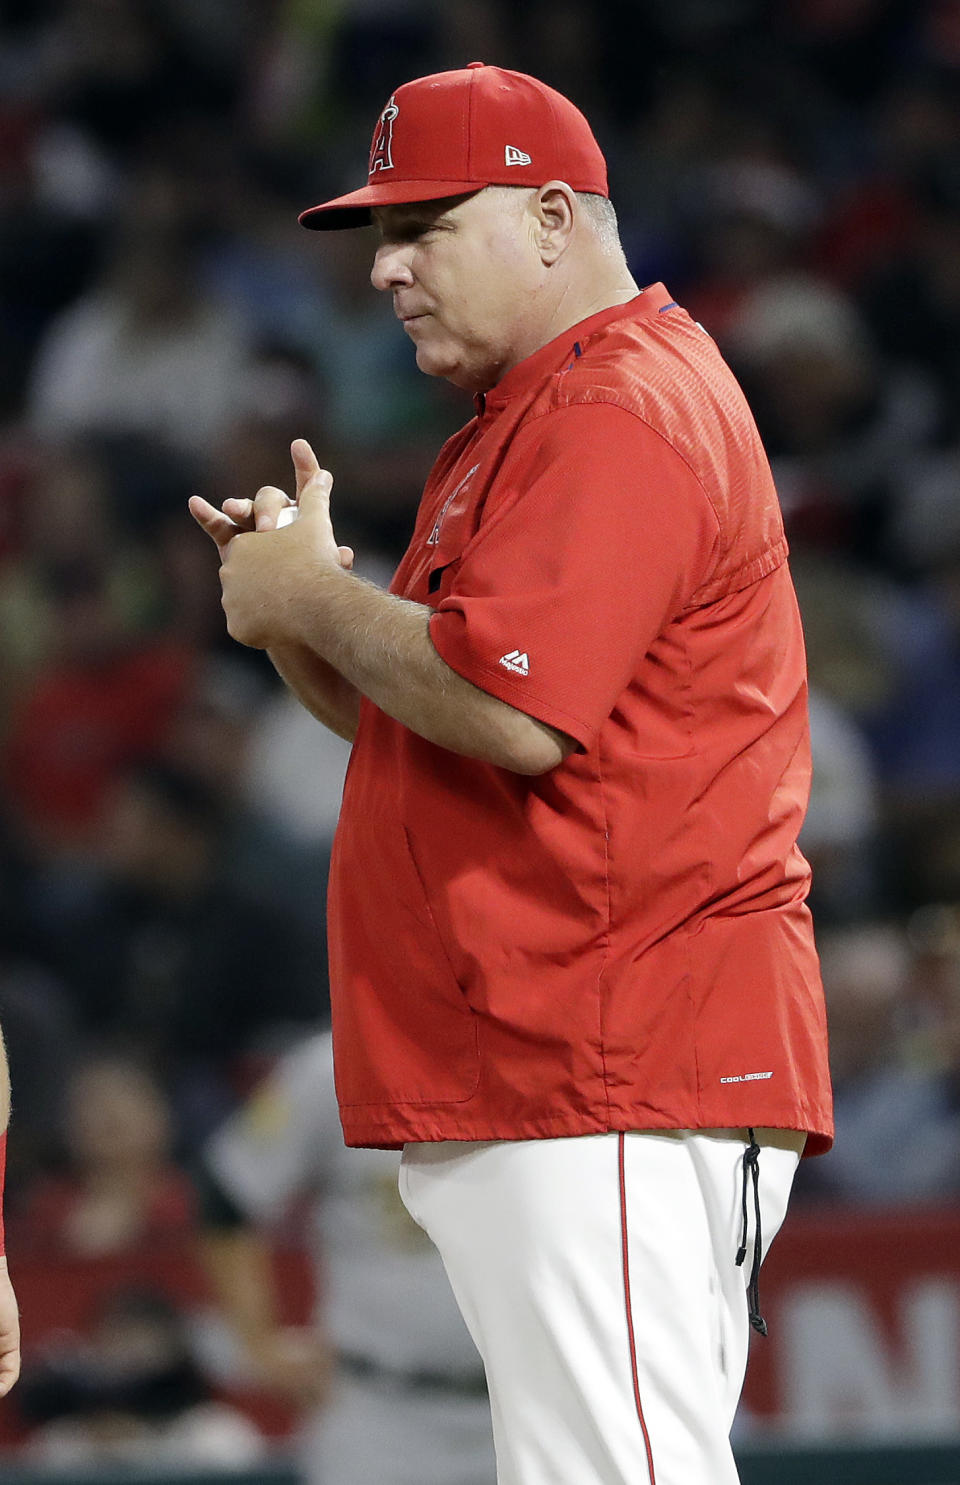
391	267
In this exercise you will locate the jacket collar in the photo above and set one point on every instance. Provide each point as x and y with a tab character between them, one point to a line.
567	346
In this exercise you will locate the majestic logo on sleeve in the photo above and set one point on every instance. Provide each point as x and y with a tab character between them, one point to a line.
516	661
381	155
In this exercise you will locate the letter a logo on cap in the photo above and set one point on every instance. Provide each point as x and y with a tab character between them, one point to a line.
381	156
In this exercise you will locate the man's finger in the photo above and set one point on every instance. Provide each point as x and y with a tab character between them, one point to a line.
218	527
305	463
240	510
346	557
267	505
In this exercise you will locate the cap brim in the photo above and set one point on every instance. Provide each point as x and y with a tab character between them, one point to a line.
353	210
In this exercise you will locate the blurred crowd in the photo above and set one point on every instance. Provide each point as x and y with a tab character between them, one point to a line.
791	170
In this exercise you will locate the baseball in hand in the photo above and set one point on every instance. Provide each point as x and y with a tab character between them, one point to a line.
287	515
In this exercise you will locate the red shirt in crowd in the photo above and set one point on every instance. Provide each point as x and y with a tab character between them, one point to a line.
622	942
80	726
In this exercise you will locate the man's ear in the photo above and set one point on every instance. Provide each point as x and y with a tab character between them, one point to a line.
554	208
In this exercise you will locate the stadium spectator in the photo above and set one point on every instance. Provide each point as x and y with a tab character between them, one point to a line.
143	352
898	1119
119	1191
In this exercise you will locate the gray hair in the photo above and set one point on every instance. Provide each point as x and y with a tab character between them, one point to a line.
600	212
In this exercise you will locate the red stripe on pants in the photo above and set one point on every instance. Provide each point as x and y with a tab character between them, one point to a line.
625	1246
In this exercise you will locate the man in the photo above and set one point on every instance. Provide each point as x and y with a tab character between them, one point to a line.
572	969
397	1377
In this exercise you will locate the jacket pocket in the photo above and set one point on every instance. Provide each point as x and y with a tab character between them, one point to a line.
405	1033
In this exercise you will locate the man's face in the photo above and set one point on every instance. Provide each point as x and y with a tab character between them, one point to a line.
464	274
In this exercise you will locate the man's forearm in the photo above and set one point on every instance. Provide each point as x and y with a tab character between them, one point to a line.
324	692
4	1086
286	590
381	645
9	1315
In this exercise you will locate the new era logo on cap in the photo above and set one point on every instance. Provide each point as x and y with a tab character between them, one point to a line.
516	661
513	156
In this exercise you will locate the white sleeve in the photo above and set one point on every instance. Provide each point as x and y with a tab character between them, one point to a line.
280	1144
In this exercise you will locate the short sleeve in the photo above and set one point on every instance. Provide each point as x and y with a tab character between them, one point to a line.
596	534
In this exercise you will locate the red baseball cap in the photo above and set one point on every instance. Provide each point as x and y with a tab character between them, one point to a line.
454	132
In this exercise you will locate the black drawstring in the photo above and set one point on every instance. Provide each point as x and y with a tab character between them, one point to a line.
751	1166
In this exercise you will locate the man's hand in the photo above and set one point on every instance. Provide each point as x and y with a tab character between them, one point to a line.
334	639
266	583
9	1332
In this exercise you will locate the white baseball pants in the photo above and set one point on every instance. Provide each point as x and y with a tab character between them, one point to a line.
597	1276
